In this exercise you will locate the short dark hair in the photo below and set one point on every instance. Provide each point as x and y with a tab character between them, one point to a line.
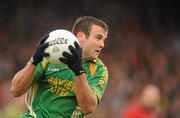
84	24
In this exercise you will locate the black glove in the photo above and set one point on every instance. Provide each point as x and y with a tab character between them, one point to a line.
39	52
74	60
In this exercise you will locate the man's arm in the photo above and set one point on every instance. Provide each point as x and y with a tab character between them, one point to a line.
87	99
22	80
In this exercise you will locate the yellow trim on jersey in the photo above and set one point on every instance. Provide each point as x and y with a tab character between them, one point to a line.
76	112
30	97
102	81
44	63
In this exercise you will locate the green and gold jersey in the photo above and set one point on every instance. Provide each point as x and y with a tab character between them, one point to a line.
53	91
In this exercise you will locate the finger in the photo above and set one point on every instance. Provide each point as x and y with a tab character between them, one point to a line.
76	45
78	48
67	55
46	54
44	46
64	60
72	49
43	39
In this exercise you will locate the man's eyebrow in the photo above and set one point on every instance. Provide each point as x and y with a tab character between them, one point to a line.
99	35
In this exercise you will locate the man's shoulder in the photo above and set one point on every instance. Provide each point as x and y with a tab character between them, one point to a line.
99	62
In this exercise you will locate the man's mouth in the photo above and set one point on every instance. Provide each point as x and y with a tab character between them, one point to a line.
98	51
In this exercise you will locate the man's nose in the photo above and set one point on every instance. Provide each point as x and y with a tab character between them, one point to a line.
102	44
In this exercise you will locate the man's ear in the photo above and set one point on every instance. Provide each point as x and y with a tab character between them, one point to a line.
81	36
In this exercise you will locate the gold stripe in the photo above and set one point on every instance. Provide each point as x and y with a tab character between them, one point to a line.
103	79
76	112
30	97
44	63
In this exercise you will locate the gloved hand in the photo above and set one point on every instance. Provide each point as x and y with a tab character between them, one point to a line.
39	52
73	60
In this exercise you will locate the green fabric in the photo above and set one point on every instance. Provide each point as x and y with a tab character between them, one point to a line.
55	97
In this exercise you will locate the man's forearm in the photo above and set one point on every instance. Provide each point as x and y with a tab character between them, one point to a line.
87	99
22	80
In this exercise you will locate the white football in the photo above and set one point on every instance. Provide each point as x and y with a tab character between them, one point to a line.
59	41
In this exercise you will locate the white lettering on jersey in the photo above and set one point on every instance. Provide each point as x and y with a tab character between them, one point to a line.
54	69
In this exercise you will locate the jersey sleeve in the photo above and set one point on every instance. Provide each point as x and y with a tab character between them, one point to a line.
98	80
39	70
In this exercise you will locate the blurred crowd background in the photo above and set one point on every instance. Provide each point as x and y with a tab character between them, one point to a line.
143	47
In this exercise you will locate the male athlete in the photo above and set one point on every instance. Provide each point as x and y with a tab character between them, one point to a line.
72	90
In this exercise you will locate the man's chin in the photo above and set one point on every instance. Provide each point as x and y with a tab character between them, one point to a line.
93	58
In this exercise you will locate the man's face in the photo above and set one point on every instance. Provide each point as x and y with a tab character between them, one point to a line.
93	44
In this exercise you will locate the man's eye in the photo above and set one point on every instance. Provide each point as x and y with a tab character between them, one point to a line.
99	38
